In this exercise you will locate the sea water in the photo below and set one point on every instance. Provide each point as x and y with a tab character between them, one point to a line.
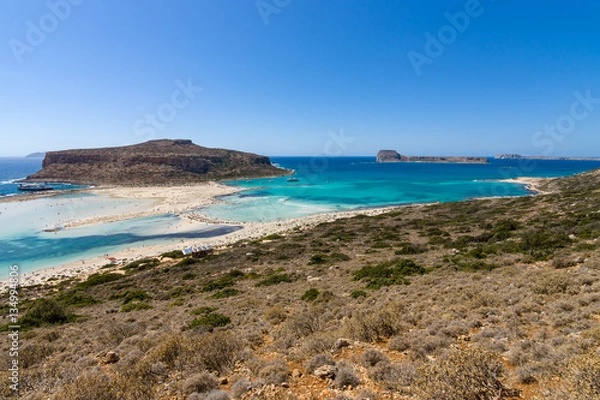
349	183
31	233
323	185
13	169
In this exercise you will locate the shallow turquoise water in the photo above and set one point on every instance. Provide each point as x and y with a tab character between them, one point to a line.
348	183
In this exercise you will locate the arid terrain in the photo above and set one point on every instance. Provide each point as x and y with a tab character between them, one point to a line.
482	299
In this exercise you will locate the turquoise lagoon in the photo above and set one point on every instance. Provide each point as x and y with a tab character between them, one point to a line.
349	183
324	185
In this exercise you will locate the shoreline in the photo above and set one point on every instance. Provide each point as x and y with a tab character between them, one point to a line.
531	184
180	200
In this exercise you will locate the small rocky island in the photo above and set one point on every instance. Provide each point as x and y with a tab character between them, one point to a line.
157	162
384	156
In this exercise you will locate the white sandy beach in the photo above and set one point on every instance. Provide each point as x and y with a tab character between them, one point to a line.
179	200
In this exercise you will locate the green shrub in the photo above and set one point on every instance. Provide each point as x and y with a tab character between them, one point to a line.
135	295
210	321
478	265
173	254
45	312
225	281
99	279
542	243
204	310
76	299
143	264
188	276
317	259
310	295
356	294
274	280
388	273
185	262
410	249
218	284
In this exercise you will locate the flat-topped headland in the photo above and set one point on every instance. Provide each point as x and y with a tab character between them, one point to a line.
385	156
156	162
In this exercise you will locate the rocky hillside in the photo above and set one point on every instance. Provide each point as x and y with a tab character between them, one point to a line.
155	162
393	156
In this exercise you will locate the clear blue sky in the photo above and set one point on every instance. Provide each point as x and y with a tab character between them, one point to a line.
102	70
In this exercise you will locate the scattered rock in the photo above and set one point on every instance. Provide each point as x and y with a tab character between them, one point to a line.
223	381
296	373
580	260
341	343
326	372
111	357
285	385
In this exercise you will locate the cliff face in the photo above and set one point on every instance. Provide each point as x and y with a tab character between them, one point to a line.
388	156
151	163
393	156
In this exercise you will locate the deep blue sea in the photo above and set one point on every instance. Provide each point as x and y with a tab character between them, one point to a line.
323	185
15	168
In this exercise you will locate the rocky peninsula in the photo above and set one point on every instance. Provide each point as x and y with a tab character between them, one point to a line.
156	162
384	156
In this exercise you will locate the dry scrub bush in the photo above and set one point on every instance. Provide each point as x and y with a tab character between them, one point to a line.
200	383
367	394
551	282
97	386
317	343
217	351
581	381
275	372
369	326
372	357
214	395
318	361
346	377
393	376
300	325
276	314
33	353
471	374
240	388
173	350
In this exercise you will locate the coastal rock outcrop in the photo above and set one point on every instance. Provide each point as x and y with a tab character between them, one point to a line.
156	162
393	156
388	156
